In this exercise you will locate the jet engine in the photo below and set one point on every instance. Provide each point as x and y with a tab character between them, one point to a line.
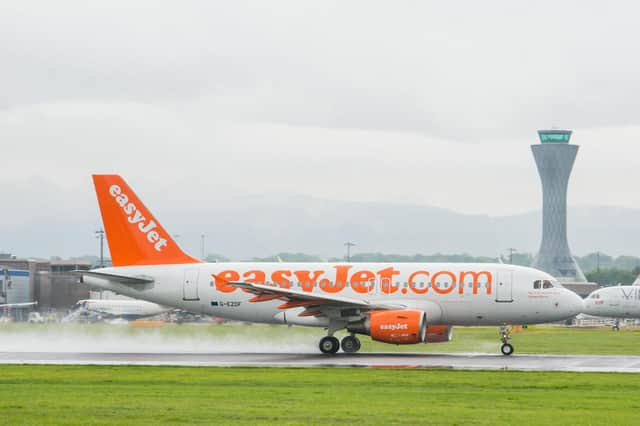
400	327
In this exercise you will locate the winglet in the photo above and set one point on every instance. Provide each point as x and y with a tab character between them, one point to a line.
135	237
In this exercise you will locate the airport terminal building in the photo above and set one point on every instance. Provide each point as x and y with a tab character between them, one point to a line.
51	284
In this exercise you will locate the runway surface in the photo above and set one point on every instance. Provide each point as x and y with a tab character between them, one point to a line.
463	361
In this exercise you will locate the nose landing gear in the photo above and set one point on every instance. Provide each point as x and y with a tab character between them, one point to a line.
506	348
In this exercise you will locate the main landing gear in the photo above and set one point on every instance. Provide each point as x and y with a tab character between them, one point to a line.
350	344
331	345
505	335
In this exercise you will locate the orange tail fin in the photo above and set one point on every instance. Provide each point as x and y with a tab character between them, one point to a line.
135	237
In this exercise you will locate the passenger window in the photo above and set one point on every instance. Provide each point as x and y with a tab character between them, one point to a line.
537	284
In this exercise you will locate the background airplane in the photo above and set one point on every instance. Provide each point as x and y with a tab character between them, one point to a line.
114	308
620	302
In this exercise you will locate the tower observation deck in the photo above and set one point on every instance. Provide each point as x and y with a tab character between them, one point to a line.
554	157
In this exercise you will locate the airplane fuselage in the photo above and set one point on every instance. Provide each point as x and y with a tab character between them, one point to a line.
614	302
450	293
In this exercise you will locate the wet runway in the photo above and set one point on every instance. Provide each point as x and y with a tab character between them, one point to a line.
462	361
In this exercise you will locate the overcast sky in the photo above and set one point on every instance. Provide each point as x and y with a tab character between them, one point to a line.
414	102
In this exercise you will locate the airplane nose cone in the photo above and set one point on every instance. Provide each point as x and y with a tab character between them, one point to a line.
574	303
589	307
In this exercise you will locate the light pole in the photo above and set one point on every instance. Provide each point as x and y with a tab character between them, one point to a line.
100	236
511	251
202	246
349	244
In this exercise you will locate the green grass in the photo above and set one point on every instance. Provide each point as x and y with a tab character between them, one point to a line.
533	340
173	395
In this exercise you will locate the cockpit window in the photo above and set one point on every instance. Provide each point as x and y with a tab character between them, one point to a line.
538	284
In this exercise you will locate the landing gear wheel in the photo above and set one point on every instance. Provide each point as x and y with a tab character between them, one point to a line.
505	336
350	344
329	345
506	349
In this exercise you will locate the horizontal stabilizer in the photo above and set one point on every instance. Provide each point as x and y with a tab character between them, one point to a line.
121	279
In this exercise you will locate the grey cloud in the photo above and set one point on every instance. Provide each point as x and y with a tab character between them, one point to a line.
424	103
462	71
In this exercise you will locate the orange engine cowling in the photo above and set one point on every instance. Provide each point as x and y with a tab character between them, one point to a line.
399	327
439	333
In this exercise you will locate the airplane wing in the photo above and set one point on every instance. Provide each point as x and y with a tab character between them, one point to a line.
314	303
122	279
18	305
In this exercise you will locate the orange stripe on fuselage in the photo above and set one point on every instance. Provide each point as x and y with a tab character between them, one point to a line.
361	280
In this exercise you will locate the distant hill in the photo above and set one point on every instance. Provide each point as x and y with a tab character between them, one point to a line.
265	225
246	226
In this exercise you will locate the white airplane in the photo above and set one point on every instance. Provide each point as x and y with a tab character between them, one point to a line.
116	308
614	302
400	303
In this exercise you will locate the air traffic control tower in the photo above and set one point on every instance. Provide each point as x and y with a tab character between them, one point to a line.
554	157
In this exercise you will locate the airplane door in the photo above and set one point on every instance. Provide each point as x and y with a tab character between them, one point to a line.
504	288
190	285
